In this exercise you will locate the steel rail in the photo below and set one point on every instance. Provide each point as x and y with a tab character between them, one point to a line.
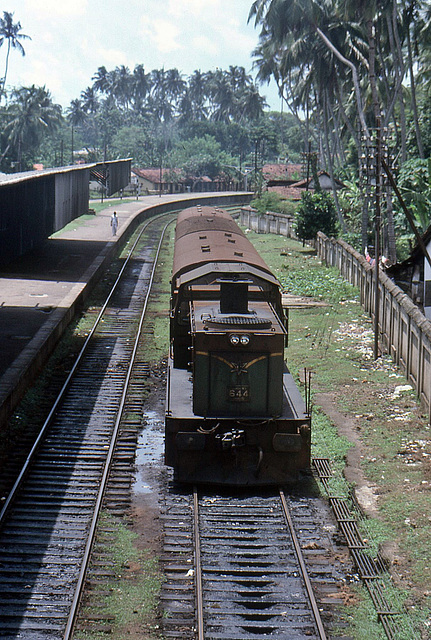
198	567
13	492
304	572
107	467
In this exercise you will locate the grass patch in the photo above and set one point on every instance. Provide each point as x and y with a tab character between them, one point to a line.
131	598
107	204
327	443
157	319
299	271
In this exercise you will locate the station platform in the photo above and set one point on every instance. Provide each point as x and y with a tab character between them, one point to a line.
41	292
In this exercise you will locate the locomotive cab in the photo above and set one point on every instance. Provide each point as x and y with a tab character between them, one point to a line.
237	354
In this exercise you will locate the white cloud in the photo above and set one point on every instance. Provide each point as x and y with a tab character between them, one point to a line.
162	33
111	57
50	9
205	45
191	8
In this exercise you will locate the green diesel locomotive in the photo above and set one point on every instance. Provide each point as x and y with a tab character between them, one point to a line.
234	414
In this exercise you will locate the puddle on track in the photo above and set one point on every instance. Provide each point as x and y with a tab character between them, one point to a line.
149	453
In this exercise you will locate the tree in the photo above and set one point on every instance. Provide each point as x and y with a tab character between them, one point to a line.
76	114
198	91
132	141
159	103
199	157
89	100
415	185
10	31
316	213
141	87
102	80
251	103
175	85
222	96
31	115
343	62
122	86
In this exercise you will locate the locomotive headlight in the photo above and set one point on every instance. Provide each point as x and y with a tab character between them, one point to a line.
234	339
244	340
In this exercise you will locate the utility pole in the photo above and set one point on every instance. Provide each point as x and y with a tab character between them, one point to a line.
377	250
161	175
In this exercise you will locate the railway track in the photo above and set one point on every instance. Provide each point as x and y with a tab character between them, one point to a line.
247	566
49	519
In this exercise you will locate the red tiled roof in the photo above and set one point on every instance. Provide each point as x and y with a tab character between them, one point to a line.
153	175
281	171
287	192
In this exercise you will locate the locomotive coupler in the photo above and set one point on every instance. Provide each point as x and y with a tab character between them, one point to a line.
231	439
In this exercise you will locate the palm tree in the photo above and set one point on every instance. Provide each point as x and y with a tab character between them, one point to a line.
411	17
90	103
238	78
102	80
361	57
251	103
122	85
159	102
222	96
186	107
198	92
31	114
141	86
175	85
305	20
10	31
76	114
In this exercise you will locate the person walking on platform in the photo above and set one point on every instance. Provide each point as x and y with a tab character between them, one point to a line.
114	223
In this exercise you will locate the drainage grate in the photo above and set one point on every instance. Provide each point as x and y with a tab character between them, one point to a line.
370	570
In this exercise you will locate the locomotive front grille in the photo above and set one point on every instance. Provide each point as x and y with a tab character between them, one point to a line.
238	321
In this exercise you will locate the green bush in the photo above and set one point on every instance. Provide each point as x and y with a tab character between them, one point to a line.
316	213
271	201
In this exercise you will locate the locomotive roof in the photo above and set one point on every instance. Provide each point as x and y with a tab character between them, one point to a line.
209	235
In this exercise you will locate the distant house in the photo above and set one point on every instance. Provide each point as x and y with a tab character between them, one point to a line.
283	179
413	275
281	175
153	181
325	183
291	193
279	178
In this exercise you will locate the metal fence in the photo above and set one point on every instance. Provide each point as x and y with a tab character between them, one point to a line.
403	329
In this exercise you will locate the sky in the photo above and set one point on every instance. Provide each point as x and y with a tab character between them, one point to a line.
71	39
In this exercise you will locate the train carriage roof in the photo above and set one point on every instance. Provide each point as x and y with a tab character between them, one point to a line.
207	236
200	219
